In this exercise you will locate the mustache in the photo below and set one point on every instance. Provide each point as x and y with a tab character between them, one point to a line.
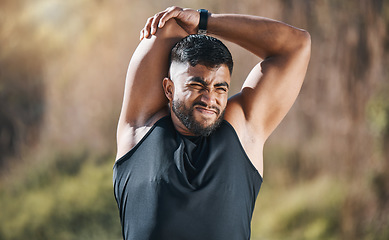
203	104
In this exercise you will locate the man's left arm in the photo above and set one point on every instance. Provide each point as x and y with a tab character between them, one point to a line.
273	84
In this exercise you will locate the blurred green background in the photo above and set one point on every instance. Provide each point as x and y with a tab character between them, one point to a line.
62	72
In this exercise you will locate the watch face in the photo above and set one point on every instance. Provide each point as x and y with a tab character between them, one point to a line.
202	32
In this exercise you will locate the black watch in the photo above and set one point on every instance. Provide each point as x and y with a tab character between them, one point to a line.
203	21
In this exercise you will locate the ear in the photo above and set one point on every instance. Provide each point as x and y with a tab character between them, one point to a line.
168	88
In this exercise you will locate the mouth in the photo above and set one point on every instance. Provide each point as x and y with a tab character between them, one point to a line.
206	111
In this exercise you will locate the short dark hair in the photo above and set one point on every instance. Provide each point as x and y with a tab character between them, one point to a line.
201	49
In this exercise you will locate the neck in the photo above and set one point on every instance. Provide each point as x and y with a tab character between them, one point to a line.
179	126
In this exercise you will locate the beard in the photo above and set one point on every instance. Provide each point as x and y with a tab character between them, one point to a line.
185	115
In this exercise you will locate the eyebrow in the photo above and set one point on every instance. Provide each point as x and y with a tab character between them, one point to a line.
223	84
201	81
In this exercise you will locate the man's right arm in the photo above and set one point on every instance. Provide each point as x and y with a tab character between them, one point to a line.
144	101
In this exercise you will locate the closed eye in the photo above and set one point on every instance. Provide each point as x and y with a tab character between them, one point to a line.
221	90
196	86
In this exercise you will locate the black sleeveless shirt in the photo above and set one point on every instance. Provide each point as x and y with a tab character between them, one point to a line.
173	187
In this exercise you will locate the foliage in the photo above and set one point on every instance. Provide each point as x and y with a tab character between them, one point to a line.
311	211
57	202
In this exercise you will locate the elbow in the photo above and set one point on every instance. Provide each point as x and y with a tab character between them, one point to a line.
302	45
305	41
296	43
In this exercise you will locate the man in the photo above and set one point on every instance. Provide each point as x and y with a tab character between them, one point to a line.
189	160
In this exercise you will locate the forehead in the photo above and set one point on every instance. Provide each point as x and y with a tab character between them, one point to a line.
185	72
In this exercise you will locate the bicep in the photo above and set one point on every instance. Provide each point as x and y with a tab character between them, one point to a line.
144	99
143	94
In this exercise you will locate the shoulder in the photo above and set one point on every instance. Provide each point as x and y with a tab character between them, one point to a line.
131	135
241	120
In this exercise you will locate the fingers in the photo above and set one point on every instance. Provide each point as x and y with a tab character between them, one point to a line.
145	32
169	13
158	21
155	22
151	26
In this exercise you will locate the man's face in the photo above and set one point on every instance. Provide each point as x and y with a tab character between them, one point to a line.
199	98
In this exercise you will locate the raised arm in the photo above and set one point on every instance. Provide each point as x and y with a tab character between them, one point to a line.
273	85
144	101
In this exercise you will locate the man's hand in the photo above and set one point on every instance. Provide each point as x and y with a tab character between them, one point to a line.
187	18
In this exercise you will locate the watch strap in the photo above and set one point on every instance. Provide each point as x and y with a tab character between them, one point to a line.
203	21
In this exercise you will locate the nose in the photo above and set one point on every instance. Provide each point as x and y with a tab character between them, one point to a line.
208	97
